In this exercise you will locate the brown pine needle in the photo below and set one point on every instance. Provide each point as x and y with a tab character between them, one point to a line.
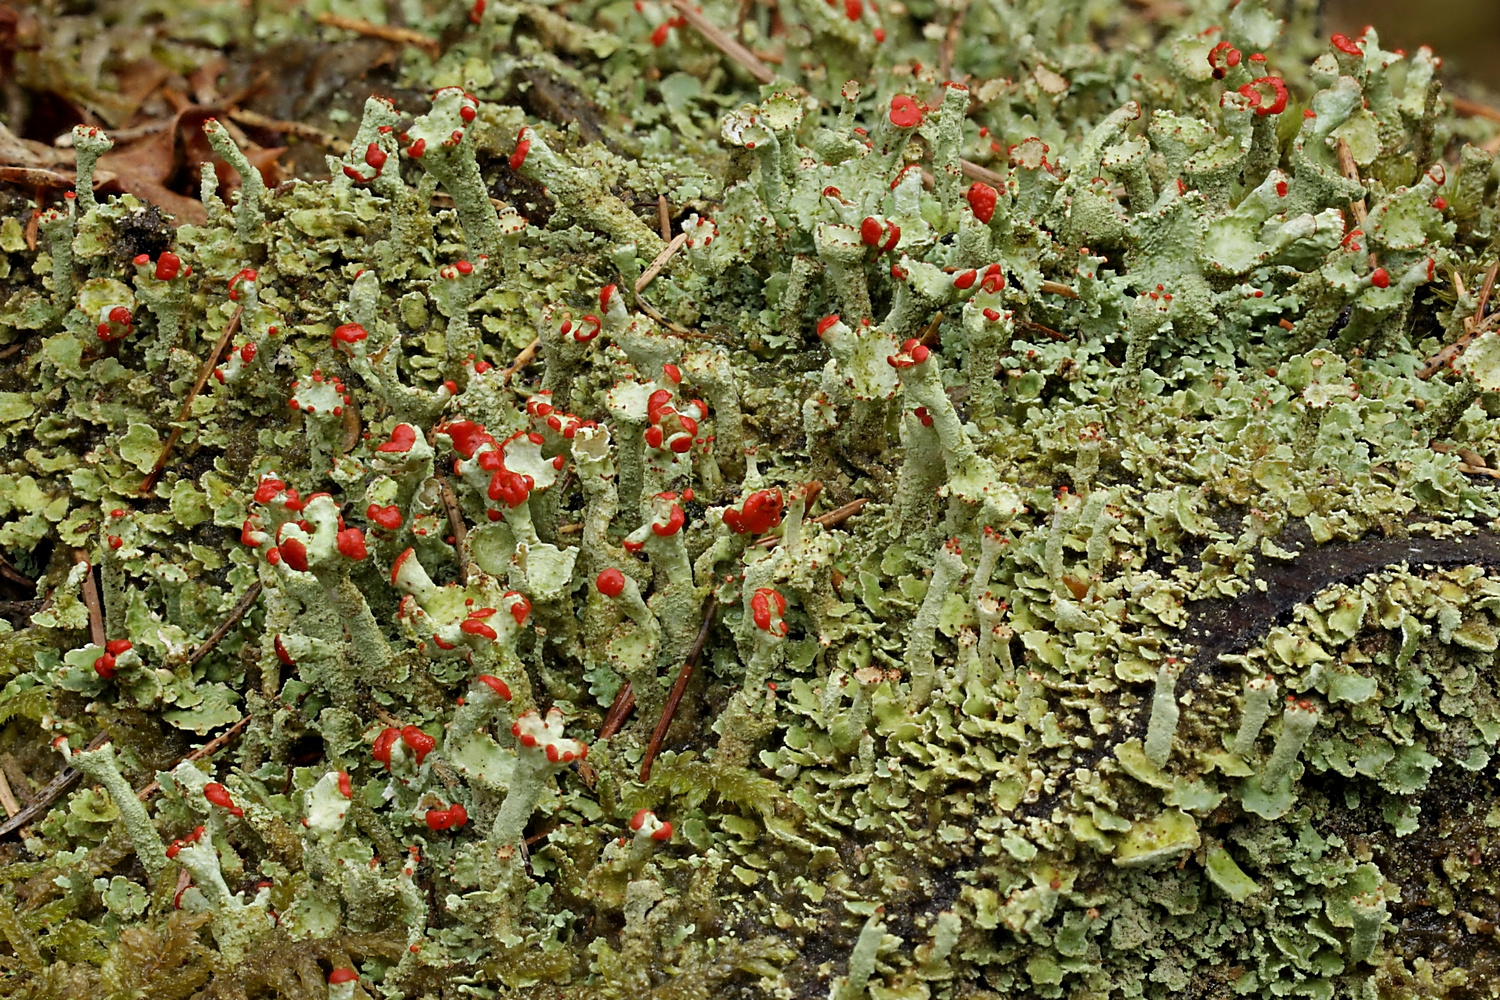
678	688
209	363
722	40
384	32
655	267
1351	171
1473	109
527	355
91	600
618	712
752	64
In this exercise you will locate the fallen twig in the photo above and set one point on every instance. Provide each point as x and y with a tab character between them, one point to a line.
1473	326
208	749
302	131
245	603
7	798
149	482
456	522
831	519
674	699
50	793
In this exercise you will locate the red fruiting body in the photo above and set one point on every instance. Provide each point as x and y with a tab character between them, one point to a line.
826	322
982	200
375	157
457	816
219	796
351	543
512	488
893	236
523	146
467	113
1254	93
347	335
760	512
912	353
610	583
965	279
117	646
1380	278
269	486
760	609
421	744
1346	45
417	149
466	436
473	626
1230	58
673	525
905	111
295	554
104	666
476	13
383	743
994	279
870	231
388	518
403	436
343	976
521	610
168	265
141	259
1440	203
495	684
182	842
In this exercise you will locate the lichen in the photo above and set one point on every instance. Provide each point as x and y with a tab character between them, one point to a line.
1005	532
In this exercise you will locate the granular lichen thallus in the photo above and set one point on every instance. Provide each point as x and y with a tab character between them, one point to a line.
1131	323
